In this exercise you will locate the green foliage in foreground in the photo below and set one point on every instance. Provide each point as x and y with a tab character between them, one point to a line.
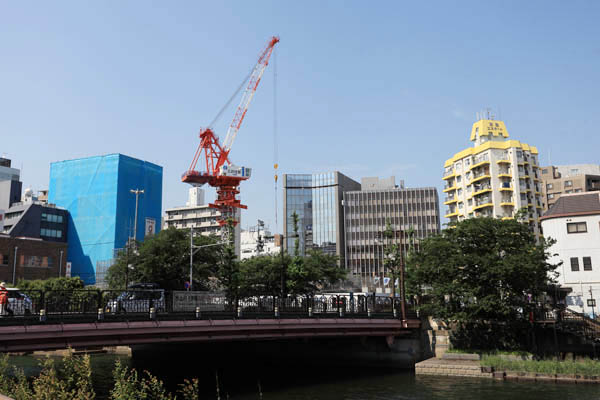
586	367
71	379
489	353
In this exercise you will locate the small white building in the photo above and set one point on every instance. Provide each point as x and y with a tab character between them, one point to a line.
574	222
200	217
249	244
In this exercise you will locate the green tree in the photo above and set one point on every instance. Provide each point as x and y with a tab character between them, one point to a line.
481	270
165	259
62	283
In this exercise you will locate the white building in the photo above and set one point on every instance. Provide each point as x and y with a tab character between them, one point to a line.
496	177
249	242
574	222
199	216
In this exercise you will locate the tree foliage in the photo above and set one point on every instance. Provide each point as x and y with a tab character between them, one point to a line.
62	283
480	269
165	259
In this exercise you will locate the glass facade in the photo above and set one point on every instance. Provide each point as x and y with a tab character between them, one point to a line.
316	199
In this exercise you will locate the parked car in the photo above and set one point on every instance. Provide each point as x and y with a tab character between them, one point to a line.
138	299
18	302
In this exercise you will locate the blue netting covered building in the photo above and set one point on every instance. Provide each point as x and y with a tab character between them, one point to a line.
97	193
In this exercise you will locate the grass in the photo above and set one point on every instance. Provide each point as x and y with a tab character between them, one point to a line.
586	367
487	352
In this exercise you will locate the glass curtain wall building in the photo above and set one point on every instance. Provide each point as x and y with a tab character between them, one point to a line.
413	215
317	200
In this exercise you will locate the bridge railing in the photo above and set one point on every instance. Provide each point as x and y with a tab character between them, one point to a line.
101	305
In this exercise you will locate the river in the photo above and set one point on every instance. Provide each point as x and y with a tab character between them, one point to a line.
279	382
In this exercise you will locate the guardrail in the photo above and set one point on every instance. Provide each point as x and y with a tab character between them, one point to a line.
115	305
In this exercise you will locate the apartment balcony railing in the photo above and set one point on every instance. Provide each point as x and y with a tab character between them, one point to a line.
448	173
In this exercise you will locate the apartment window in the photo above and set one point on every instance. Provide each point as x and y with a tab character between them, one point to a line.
577	190
544	171
576	227
470	202
549	186
568	183
587	263
3	260
568	191
574	264
458	179
550	196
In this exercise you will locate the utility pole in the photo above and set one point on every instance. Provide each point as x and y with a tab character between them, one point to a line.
137	193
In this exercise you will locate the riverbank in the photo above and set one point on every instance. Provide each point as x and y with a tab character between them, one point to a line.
511	368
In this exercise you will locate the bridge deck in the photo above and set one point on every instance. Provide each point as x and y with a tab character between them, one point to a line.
80	335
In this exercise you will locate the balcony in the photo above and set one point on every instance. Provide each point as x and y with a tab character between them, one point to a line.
479	177
481	190
449	174
448	188
480	161
483	203
503	161
507	203
451	214
450	200
506	186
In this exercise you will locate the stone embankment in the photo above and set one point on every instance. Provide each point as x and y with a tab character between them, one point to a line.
466	365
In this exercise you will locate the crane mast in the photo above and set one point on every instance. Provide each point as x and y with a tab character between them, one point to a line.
218	170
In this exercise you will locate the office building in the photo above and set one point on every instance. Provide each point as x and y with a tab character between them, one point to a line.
32	218
7	173
30	258
496	177
413	214
97	192
317	200
10	185
200	217
561	179
574	222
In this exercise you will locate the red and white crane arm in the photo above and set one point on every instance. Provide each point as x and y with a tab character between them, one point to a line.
240	113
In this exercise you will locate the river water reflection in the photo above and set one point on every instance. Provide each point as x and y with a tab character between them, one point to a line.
286	382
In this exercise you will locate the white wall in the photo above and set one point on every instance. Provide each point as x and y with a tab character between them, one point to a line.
576	245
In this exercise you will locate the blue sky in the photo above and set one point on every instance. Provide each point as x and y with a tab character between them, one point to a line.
366	88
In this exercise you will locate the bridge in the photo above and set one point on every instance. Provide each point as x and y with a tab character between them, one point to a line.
95	318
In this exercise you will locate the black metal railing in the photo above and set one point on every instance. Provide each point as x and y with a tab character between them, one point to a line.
33	306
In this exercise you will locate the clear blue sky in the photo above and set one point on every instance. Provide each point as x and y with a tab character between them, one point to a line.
366	88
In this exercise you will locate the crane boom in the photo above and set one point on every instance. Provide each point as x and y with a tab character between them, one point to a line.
240	113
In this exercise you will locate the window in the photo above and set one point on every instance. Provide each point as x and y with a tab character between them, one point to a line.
550	196
576	227
3	260
549	186
458	179
587	263
574	264
568	183
568	191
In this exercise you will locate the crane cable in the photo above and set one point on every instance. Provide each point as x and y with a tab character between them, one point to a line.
275	155
233	96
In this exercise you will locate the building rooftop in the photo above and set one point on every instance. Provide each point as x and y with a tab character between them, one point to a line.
574	204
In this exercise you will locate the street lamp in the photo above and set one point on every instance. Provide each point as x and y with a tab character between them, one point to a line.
592	303
137	193
193	250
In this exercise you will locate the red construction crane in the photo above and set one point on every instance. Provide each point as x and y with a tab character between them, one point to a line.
218	171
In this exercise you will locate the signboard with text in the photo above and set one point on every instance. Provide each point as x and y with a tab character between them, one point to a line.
150	227
68	270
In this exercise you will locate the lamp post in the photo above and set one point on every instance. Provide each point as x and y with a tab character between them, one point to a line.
193	250
592	303
137	193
